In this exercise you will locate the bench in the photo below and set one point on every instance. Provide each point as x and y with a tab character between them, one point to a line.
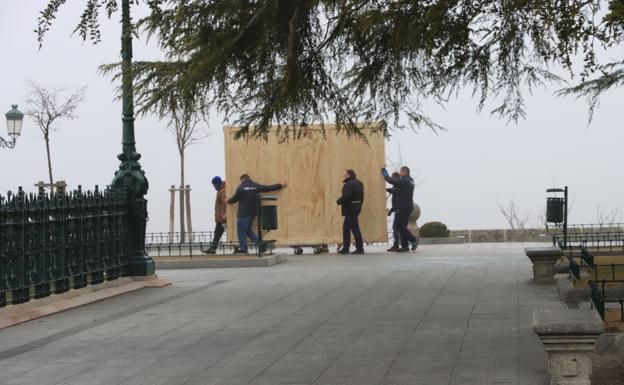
543	259
569	337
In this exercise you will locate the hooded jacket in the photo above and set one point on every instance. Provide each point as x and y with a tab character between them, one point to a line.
247	197
221	205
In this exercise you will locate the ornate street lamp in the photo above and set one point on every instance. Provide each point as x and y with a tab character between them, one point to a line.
14	120
130	176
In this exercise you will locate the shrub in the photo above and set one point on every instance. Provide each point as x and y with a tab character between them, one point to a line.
434	230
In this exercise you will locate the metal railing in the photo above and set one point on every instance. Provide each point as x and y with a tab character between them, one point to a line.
595	228
164	244
50	243
189	237
587	261
604	243
607	292
196	249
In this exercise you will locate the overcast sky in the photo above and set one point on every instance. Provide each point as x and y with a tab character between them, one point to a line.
465	172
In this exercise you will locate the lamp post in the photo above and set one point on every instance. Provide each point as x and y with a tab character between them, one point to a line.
130	176
14	120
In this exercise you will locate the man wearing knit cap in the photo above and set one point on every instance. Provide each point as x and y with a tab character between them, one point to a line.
220	214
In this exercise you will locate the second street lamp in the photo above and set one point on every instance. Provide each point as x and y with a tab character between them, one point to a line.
14	121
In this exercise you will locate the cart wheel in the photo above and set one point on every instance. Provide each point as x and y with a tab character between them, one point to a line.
324	249
318	250
298	251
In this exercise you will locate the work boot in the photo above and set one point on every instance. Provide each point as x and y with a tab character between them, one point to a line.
358	252
238	250
404	249
210	250
393	249
262	247
415	245
343	251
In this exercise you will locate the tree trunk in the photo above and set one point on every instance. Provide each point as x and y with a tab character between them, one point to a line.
47	142
182	230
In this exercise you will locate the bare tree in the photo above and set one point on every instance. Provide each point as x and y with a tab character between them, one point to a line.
512	215
540	217
46	107
184	126
606	217
418	180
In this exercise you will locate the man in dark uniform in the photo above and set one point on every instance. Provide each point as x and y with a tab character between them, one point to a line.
404	192
246	196
351	204
396	236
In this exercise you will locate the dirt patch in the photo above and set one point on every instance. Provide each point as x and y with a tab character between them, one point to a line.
608	369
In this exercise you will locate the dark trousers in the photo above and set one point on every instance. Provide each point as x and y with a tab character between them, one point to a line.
218	233
401	220
351	225
396	235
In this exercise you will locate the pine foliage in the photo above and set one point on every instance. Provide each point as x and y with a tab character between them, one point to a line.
295	62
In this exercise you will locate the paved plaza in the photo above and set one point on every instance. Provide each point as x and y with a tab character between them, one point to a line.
452	315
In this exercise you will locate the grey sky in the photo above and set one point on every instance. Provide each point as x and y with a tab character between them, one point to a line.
466	171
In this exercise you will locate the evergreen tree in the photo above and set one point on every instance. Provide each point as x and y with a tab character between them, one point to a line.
294	62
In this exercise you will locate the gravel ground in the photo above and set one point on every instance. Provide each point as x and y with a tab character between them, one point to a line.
608	369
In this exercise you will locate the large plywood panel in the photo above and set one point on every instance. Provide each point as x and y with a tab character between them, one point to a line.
313	167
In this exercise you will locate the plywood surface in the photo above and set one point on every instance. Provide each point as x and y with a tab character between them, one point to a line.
313	167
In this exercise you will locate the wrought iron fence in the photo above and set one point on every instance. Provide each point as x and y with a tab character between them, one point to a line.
606	294
585	228
50	243
172	238
600	243
191	250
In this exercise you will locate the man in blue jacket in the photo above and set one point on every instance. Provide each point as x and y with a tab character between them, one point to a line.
403	192
246	196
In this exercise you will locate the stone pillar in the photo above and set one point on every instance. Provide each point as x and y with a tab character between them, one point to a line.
543	259
568	337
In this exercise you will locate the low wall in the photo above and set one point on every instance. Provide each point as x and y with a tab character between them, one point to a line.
442	241
503	235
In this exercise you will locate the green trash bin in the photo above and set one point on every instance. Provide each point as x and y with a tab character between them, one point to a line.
268	217
268	212
555	209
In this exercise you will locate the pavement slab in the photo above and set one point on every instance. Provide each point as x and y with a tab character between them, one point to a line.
444	315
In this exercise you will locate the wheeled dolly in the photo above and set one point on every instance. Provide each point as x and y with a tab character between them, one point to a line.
316	248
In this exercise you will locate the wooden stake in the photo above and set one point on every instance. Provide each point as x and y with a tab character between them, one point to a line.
182	227
171	212
189	222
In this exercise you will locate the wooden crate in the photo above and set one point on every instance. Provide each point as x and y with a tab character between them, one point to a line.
313	167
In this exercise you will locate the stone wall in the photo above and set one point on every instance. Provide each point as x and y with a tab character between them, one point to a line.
503	235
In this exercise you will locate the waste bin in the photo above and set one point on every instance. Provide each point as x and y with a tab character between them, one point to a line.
268	212
555	209
268	217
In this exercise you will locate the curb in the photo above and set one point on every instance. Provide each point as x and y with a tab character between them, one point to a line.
166	264
37	308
